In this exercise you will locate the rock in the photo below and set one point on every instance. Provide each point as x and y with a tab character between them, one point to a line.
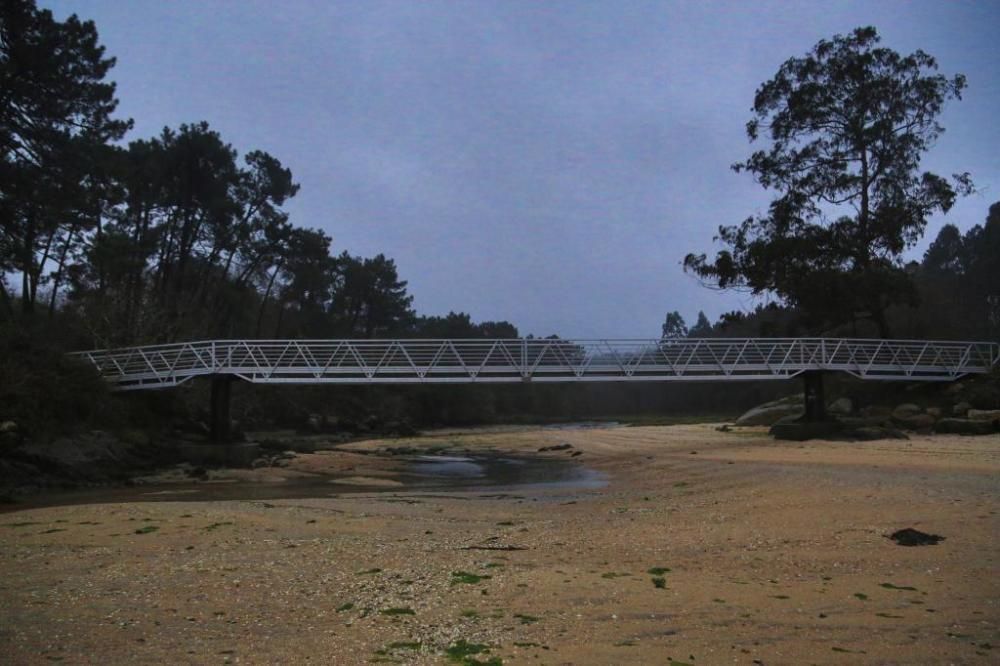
912	537
401	428
771	412
906	410
984	414
315	423
915	422
876	412
557	447
964	427
8	427
800	431
961	409
841	406
872	433
935	412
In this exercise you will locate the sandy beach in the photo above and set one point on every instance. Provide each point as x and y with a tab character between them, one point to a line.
702	547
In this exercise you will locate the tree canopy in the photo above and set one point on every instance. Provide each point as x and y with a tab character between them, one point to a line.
55	127
847	126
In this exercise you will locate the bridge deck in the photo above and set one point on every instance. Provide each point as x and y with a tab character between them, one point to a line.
537	360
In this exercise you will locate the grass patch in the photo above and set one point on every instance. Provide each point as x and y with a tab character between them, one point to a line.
659	582
461	652
215	526
27	523
493	565
861	595
612	575
526	619
658	571
147	529
526	645
470	613
458	577
343	608
54	529
397	611
405	645
781	596
506	523
905	588
890	616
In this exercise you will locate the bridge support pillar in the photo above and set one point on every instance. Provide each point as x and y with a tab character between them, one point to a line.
220	420
814	398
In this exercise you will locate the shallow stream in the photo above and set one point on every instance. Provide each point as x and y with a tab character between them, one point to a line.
493	473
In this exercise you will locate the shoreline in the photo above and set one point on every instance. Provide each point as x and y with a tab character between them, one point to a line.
765	550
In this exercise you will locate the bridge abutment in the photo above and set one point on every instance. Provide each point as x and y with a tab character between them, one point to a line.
220	427
815	400
220	449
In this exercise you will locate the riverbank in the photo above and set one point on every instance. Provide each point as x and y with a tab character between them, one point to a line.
705	547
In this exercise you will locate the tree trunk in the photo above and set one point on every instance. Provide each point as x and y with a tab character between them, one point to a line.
27	264
263	301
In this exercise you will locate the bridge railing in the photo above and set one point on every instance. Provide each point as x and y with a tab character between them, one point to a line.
543	360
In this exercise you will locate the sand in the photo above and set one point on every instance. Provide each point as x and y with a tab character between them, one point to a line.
705	547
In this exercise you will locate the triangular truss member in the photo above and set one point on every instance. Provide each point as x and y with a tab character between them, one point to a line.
509	360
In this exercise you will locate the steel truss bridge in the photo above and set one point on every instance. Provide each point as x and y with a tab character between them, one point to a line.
411	361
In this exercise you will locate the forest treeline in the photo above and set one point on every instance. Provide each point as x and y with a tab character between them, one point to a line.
111	240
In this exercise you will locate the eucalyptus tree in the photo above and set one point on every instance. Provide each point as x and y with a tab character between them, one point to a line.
847	126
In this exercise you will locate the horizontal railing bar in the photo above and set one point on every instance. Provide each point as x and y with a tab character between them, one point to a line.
419	360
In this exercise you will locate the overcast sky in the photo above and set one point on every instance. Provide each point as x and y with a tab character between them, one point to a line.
547	163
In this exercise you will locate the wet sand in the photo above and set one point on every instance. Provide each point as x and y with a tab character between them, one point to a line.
704	547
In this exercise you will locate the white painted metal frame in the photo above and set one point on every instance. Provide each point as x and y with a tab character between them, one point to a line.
409	361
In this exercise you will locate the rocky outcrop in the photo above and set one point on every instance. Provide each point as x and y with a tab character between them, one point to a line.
961	409
771	412
800	431
966	427
915	422
983	414
841	407
872	433
906	410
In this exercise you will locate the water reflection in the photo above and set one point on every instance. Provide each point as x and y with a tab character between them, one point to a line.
440	473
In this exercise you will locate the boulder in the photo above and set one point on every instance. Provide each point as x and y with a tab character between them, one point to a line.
961	409
872	433
964	427
984	414
906	410
876	412
954	388
841	406
8	427
800	431
771	412
915	422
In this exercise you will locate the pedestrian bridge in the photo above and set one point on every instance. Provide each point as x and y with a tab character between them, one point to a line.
413	361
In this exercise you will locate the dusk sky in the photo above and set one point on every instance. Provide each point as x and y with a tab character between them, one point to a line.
545	163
